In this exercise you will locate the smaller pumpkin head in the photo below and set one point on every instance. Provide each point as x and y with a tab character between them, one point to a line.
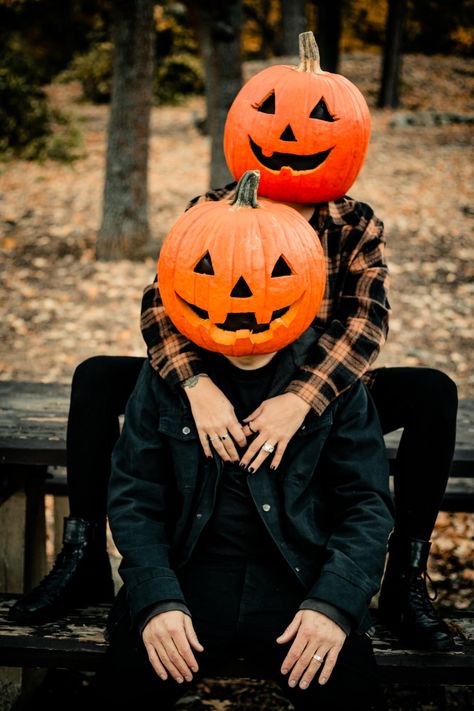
242	277
305	130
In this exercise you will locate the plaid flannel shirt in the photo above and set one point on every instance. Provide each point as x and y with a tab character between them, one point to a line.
353	317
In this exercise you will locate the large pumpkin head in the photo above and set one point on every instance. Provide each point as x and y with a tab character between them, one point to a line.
304	129
239	277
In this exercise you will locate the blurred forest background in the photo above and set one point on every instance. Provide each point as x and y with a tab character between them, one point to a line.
111	117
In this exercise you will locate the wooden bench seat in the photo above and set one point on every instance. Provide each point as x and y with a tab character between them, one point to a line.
77	642
33	419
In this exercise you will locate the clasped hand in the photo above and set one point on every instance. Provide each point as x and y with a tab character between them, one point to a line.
274	423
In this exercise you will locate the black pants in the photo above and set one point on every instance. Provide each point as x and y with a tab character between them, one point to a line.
239	608
422	401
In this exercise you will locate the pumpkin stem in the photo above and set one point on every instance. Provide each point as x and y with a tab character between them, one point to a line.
310	60
246	190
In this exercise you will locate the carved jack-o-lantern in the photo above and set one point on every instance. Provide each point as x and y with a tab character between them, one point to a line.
242	277
305	130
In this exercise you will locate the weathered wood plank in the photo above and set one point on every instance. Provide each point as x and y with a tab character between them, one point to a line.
77	642
33	419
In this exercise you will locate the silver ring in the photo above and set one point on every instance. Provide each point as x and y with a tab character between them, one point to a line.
267	447
214	439
317	658
223	436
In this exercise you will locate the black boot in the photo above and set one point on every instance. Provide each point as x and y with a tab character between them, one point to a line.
404	601
81	575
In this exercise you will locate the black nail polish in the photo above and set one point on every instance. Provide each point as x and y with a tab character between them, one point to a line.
251	470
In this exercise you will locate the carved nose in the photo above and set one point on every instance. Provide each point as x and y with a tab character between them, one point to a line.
241	289
288	134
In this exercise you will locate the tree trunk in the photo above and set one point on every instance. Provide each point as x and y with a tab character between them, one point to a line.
219	29
293	23
392	57
125	230
328	33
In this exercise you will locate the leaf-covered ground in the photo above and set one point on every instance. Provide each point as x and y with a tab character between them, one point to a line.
59	306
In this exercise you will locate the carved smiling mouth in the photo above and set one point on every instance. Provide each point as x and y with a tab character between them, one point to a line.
298	163
239	321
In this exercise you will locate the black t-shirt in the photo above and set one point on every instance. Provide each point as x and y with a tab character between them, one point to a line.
235	530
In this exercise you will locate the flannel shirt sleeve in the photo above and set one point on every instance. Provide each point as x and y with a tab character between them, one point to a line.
170	353
358	328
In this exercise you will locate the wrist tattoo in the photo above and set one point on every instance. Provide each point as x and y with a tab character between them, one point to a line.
193	380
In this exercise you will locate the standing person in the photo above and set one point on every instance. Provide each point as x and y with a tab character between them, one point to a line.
218	562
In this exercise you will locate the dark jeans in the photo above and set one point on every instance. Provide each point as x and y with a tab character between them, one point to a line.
239	608
422	401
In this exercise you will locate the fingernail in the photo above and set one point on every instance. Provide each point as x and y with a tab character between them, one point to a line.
251	470
188	677
304	685
180	679
322	679
242	465
284	671
272	467
292	683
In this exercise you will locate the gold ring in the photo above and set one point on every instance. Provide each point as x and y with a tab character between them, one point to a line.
317	658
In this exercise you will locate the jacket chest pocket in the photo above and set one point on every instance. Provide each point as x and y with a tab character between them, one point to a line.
181	429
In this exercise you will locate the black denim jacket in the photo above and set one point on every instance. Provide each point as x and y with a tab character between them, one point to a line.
327	507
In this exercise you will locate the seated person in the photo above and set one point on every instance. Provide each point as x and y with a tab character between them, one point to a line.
219	562
353	319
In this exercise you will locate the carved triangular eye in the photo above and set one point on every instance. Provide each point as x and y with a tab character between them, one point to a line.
268	105
281	268
204	266
321	112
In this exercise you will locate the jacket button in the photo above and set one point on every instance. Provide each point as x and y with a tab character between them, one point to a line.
186	430
266	507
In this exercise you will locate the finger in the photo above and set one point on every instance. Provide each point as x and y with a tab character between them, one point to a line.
329	664
191	634
168	662
237	432
176	657
155	662
261	456
252	450
312	667
248	432
205	444
228	444
279	452
184	649
290	631
305	660
253	414
219	447
292	658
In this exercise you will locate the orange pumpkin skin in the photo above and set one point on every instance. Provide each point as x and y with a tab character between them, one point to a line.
301	159
215	275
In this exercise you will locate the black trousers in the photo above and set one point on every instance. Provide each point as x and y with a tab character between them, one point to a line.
239	607
422	401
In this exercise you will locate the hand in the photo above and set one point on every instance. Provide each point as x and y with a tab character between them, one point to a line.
168	638
215	419
313	633
276	421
